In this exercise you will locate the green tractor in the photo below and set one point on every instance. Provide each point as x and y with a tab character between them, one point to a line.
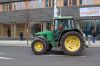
63	35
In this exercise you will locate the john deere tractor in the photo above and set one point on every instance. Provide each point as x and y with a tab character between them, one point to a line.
63	35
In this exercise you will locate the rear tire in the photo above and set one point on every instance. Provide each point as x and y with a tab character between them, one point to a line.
72	43
39	46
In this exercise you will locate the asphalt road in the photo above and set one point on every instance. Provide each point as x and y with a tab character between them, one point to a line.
23	56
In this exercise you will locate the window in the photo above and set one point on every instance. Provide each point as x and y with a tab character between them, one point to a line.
49	3
7	7
32	4
98	27
74	2
69	2
3	7
39	3
46	3
87	2
65	2
80	1
19	5
48	27
52	2
10	6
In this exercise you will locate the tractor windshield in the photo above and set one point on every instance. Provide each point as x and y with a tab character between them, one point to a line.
66	23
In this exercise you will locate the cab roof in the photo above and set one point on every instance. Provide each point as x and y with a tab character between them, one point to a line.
63	17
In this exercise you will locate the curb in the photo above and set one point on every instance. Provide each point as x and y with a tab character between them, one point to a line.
14	43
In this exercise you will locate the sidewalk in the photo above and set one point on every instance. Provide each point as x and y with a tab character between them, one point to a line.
96	44
24	43
14	43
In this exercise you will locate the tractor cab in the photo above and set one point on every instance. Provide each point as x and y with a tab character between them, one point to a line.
61	24
65	22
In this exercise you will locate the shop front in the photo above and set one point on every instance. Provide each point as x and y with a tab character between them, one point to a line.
87	27
90	17
12	30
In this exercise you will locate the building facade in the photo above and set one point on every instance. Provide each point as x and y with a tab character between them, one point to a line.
15	14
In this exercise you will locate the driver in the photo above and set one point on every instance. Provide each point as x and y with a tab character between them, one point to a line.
60	28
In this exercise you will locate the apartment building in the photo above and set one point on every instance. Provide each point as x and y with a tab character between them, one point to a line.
15	14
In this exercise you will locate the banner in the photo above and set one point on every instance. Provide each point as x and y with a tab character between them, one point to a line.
90	11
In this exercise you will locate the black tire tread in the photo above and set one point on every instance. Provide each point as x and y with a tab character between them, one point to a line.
44	44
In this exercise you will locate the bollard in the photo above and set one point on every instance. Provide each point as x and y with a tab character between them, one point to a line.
89	43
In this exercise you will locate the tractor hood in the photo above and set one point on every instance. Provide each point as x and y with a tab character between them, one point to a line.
43	33
48	35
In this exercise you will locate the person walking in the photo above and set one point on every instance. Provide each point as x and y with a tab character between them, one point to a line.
21	35
93	34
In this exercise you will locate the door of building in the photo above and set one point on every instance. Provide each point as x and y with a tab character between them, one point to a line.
9	31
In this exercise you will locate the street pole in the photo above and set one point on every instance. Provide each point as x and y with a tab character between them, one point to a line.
27	31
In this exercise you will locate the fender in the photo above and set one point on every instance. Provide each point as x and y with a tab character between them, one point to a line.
41	37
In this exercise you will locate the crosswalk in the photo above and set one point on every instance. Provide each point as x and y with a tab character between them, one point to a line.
2	53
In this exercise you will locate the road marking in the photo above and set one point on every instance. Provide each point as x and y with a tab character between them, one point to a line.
2	53
6	58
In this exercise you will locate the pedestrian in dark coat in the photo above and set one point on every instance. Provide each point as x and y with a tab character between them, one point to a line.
21	35
93	34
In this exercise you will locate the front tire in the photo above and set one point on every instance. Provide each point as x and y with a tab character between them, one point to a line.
72	43
39	46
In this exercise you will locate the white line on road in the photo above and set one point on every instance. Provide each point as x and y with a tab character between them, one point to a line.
6	58
2	53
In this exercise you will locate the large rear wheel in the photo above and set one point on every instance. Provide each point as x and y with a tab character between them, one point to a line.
39	46
72	43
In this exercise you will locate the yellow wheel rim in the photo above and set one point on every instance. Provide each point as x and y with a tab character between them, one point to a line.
38	46
72	43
